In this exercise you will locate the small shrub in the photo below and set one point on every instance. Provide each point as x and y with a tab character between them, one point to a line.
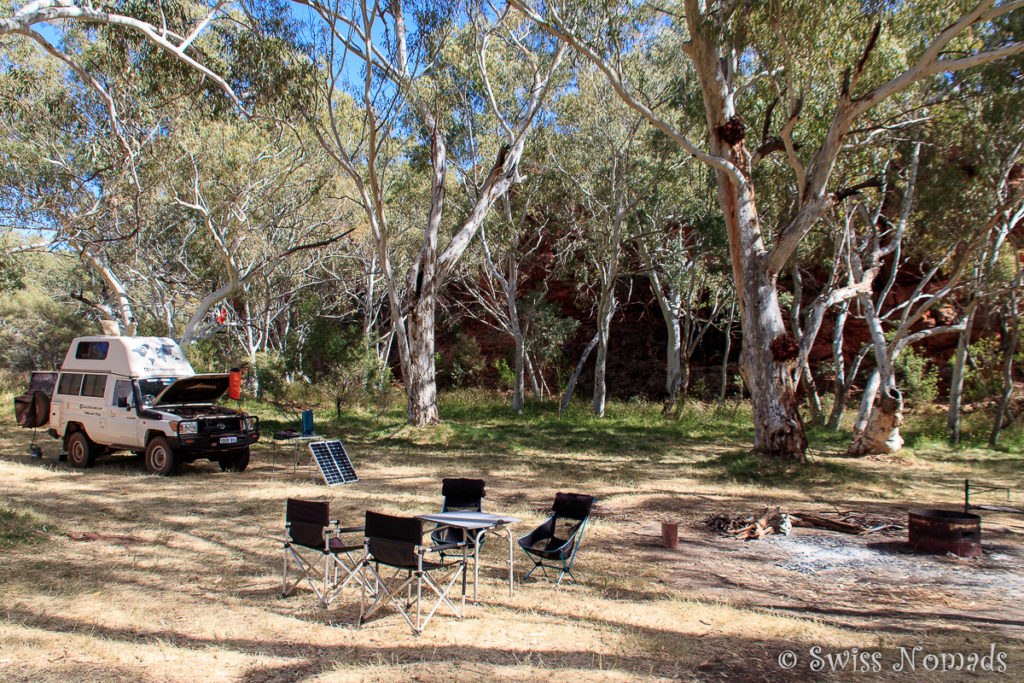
466	363
917	377
506	375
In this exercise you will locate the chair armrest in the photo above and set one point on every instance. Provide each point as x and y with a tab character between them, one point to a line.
443	546
350	529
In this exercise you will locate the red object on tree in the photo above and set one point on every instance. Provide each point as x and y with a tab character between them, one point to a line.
222	316
235	384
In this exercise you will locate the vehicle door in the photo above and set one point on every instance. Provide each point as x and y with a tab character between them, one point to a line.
122	423
92	406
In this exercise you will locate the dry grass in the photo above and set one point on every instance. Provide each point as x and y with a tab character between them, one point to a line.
145	578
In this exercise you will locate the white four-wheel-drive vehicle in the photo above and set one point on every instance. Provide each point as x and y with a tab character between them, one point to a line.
139	394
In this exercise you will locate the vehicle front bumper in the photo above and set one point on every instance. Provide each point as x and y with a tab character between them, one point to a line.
203	444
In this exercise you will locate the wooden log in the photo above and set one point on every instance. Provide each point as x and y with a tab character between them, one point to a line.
805	519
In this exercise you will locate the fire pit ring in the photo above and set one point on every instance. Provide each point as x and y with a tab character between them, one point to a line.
944	531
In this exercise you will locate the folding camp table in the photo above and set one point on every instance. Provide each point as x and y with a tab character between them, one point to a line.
477	524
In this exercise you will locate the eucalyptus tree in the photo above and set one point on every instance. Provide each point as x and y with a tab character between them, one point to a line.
66	176
511	241
411	93
981	139
246	199
680	242
839	75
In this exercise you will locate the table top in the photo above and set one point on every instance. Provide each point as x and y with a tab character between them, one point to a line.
469	520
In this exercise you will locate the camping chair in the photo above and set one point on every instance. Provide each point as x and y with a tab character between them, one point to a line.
460	495
310	530
397	542
546	545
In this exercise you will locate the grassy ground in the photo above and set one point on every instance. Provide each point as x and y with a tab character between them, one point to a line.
111	574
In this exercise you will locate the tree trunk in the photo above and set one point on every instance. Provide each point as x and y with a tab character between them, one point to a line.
683	388
813	400
956	383
519	389
571	386
840	387
725	354
882	432
1011	349
766	360
867	400
535	386
422	404
673	367
606	309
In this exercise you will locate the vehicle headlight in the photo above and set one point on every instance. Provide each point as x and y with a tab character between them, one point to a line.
248	424
190	427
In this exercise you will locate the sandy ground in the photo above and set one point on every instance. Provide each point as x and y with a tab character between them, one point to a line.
148	578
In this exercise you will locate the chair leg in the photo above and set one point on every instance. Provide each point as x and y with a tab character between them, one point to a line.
284	575
310	573
419	600
324	597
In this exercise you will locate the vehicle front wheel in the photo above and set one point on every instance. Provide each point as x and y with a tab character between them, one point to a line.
160	457
235	461
81	450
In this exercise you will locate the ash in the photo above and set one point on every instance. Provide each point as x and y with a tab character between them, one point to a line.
838	556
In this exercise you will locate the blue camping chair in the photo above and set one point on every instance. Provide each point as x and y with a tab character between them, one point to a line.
551	546
460	495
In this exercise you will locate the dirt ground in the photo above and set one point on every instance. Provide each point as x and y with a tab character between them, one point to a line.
156	579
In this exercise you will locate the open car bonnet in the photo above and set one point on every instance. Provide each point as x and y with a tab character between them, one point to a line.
195	389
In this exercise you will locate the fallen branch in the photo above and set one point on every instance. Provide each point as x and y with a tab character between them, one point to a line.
805	519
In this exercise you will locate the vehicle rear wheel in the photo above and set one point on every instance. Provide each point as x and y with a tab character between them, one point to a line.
81	450
235	461
160	457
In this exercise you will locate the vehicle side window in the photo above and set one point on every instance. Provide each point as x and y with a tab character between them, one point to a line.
70	384
94	385
122	389
92	350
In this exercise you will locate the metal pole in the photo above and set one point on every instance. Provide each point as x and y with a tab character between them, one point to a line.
967	496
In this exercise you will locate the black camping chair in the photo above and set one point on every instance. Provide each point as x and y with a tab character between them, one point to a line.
460	495
554	547
309	530
397	542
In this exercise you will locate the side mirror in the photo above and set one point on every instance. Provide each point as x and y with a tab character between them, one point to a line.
122	401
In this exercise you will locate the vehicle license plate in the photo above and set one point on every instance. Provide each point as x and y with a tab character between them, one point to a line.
229	439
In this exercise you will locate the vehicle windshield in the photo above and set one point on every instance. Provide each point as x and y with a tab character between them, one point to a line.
152	387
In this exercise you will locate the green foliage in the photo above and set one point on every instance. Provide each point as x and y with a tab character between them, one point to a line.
506	375
982	374
211	354
549	333
340	365
917	377
464	365
35	330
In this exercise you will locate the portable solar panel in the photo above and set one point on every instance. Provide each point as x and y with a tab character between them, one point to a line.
333	462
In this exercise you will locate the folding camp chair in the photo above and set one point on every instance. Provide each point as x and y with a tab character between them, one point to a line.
460	495
397	542
310	530
547	544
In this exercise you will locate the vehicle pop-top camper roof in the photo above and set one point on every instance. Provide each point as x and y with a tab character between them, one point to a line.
139	357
